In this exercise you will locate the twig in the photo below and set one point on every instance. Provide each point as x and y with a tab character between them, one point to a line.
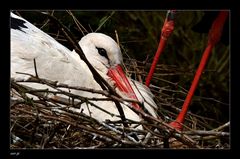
56	85
203	133
222	126
79	25
35	68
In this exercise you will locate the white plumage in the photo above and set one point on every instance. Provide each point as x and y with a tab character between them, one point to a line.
56	62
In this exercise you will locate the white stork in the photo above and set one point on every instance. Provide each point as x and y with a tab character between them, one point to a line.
56	62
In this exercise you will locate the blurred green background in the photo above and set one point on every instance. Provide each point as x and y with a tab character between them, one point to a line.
139	35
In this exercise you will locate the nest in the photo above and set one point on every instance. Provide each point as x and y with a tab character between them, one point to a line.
48	122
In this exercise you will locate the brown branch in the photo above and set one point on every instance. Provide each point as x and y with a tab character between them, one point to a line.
85	128
203	133
57	85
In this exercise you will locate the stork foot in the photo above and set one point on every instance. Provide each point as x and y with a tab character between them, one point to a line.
177	125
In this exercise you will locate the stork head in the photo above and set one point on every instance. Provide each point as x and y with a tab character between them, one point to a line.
105	56
101	51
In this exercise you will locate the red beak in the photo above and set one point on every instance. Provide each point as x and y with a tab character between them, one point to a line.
117	74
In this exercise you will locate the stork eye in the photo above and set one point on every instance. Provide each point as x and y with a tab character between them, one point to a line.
102	52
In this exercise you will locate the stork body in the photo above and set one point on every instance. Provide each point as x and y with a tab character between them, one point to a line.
56	62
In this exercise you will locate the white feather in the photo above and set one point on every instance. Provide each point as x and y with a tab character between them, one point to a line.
56	62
